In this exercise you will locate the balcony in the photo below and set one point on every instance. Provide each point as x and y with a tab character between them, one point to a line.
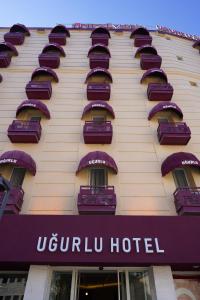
99	91
39	90
58	38
15	200
24	131
100	38
97	132
15	38
170	133
141	40
99	60
160	91
97	200
51	60
187	201
149	61
5	59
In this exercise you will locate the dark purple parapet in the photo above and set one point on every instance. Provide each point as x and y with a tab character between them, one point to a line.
101	72
15	200
5	59
99	60
39	90
99	48
178	160
54	48
187	201
141	40
173	133
96	105
19	159
96	91
20	28
165	106
24	131
139	31
15	38
154	73
45	71
160	91
97	132
97	200
146	49
50	60
33	104
97	158
149	61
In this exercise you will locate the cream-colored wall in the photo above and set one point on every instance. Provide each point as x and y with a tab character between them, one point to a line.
139	185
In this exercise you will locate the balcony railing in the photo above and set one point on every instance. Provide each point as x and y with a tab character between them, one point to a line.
100	38
97	200
51	60
39	90
58	38
15	200
5	59
160	91
141	40
99	60
149	61
97	132
99	91
15	38
24	131
187	200
177	133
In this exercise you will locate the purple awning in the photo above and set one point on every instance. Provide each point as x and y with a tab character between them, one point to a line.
20	28
177	160
60	29
102	30
99	47
99	104
54	47
33	104
139	30
164	105
146	49
19	159
6	46
97	158
101	71
196	44
46	72
156	73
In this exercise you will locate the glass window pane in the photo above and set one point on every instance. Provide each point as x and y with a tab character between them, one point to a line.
122	286
180	178
98	177
12	285
17	177
187	289
139	286
61	286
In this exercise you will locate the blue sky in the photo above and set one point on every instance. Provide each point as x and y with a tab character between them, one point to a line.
180	15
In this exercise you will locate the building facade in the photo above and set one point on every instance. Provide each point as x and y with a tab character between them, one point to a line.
100	158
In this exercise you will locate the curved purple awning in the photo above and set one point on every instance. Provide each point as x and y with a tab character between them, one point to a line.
99	104
165	105
100	47
177	160
101	71
19	159
60	29
146	49
44	71
196	44
35	104
102	30
20	28
156	73
6	46
97	158
139	30
54	47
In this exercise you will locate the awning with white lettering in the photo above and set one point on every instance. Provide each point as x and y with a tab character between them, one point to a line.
20	28
99	104
155	72
19	159
165	106
99	48
45	71
54	47
177	160
101	72
97	159
33	104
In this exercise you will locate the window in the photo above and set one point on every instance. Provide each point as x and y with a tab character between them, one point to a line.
163	120
12	285
61	286
98	177
192	83
180	178
99	118
139	285
179	57
36	118
17	177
